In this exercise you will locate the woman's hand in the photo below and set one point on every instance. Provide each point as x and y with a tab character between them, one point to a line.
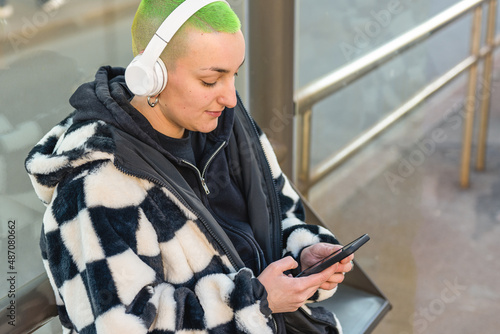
286	293
316	252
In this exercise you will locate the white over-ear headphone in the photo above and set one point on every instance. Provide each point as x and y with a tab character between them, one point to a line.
146	75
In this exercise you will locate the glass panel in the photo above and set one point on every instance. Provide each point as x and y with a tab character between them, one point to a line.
45	53
331	34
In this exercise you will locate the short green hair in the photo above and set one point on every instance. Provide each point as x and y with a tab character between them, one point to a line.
215	17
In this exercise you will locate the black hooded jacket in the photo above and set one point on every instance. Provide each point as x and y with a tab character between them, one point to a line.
133	243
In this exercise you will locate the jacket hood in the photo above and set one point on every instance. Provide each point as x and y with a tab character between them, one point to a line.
107	99
86	135
103	98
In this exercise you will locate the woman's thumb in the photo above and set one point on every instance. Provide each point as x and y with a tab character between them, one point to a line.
285	264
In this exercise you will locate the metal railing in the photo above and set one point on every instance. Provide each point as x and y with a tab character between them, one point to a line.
306	97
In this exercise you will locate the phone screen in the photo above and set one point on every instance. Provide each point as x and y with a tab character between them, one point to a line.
336	256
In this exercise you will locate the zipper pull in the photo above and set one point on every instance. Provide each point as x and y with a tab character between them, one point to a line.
203	183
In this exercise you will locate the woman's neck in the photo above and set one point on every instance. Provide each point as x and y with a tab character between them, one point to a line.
156	118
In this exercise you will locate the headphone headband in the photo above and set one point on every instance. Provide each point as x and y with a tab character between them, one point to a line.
171	25
147	75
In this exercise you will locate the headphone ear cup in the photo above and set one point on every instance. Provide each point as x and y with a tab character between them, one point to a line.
161	77
143	80
139	78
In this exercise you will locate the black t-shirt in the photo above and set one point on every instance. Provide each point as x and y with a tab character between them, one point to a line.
180	148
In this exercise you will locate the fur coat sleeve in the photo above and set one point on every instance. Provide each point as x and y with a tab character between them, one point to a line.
297	235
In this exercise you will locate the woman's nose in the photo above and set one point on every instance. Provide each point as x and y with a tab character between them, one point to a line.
227	97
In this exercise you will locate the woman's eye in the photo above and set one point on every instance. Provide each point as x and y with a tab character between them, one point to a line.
208	84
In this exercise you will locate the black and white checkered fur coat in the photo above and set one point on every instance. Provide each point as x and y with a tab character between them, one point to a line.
128	248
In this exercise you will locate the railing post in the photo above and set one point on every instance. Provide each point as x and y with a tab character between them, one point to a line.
471	99
304	126
486	89
271	49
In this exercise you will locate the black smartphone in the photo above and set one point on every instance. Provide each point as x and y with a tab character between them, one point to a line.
335	257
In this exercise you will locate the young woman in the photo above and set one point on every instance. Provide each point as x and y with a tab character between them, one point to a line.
169	213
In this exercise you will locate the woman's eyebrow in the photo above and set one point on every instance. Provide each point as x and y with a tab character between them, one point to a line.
220	69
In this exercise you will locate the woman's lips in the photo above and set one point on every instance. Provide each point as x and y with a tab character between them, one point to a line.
214	113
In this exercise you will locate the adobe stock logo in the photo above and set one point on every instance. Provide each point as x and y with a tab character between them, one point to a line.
30	28
452	120
372	28
406	167
425	315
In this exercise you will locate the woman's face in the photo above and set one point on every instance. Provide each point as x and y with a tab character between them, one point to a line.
202	83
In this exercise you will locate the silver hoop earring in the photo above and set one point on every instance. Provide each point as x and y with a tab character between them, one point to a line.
153	104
